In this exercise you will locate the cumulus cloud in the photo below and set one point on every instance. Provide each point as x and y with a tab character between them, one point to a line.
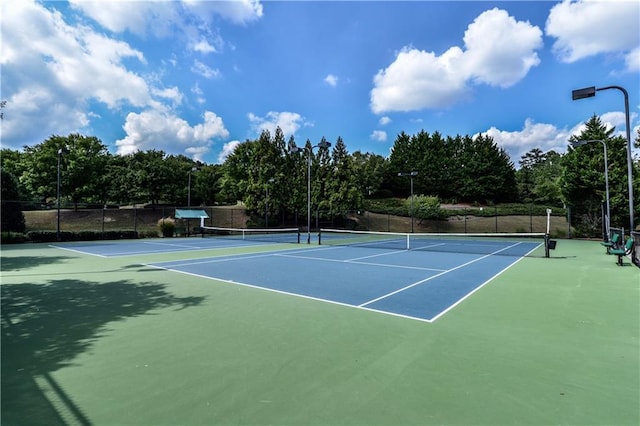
584	28
378	135
157	129
533	135
499	51
51	71
331	80
289	122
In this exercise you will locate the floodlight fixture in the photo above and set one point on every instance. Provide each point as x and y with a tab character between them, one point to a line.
323	144
61	151
589	92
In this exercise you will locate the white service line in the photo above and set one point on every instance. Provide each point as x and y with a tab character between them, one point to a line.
434	276
323	259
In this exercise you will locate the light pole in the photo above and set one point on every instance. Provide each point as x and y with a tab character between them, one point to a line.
576	144
411	175
266	202
193	169
589	92
323	144
61	151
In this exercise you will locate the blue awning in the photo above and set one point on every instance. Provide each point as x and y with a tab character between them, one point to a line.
191	214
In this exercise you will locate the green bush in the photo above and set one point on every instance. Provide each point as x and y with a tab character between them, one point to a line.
52	236
13	238
167	226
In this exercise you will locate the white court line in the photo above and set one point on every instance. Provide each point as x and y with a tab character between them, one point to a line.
323	259
77	251
375	255
435	276
272	290
474	290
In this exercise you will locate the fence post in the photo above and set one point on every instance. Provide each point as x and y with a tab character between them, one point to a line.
530	217
464	211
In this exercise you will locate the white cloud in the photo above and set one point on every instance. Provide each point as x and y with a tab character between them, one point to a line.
196	90
203	46
204	70
331	80
64	68
237	11
289	122
160	18
158	129
378	135
227	149
546	137
499	51
588	28
384	120
632	60
137	17
172	93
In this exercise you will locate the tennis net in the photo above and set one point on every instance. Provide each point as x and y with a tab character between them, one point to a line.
272	235
508	244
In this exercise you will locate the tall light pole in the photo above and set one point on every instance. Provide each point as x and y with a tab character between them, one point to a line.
266	201
411	175
193	169
576	144
589	92
61	151
323	144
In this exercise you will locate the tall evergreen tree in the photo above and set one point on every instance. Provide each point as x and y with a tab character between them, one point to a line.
582	182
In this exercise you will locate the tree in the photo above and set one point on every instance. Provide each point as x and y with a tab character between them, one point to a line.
370	171
342	186
12	217
489	174
81	166
582	183
538	177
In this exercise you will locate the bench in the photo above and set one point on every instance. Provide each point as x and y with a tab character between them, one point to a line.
621	252
611	244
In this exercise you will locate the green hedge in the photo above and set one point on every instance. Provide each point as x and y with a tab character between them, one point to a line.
398	207
51	236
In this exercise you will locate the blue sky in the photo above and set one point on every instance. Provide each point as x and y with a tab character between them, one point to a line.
199	77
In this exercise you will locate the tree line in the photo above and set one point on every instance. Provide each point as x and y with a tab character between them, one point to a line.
269	175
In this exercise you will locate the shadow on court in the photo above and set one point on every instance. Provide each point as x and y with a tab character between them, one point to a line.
46	326
26	262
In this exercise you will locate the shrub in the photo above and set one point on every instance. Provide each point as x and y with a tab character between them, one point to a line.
167	226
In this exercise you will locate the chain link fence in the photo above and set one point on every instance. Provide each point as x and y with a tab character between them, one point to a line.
144	221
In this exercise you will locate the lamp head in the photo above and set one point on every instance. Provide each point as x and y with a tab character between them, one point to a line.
587	92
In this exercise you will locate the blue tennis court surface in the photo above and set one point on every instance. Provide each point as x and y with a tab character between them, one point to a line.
412	284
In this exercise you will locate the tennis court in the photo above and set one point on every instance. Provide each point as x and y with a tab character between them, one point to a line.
410	283
162	333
